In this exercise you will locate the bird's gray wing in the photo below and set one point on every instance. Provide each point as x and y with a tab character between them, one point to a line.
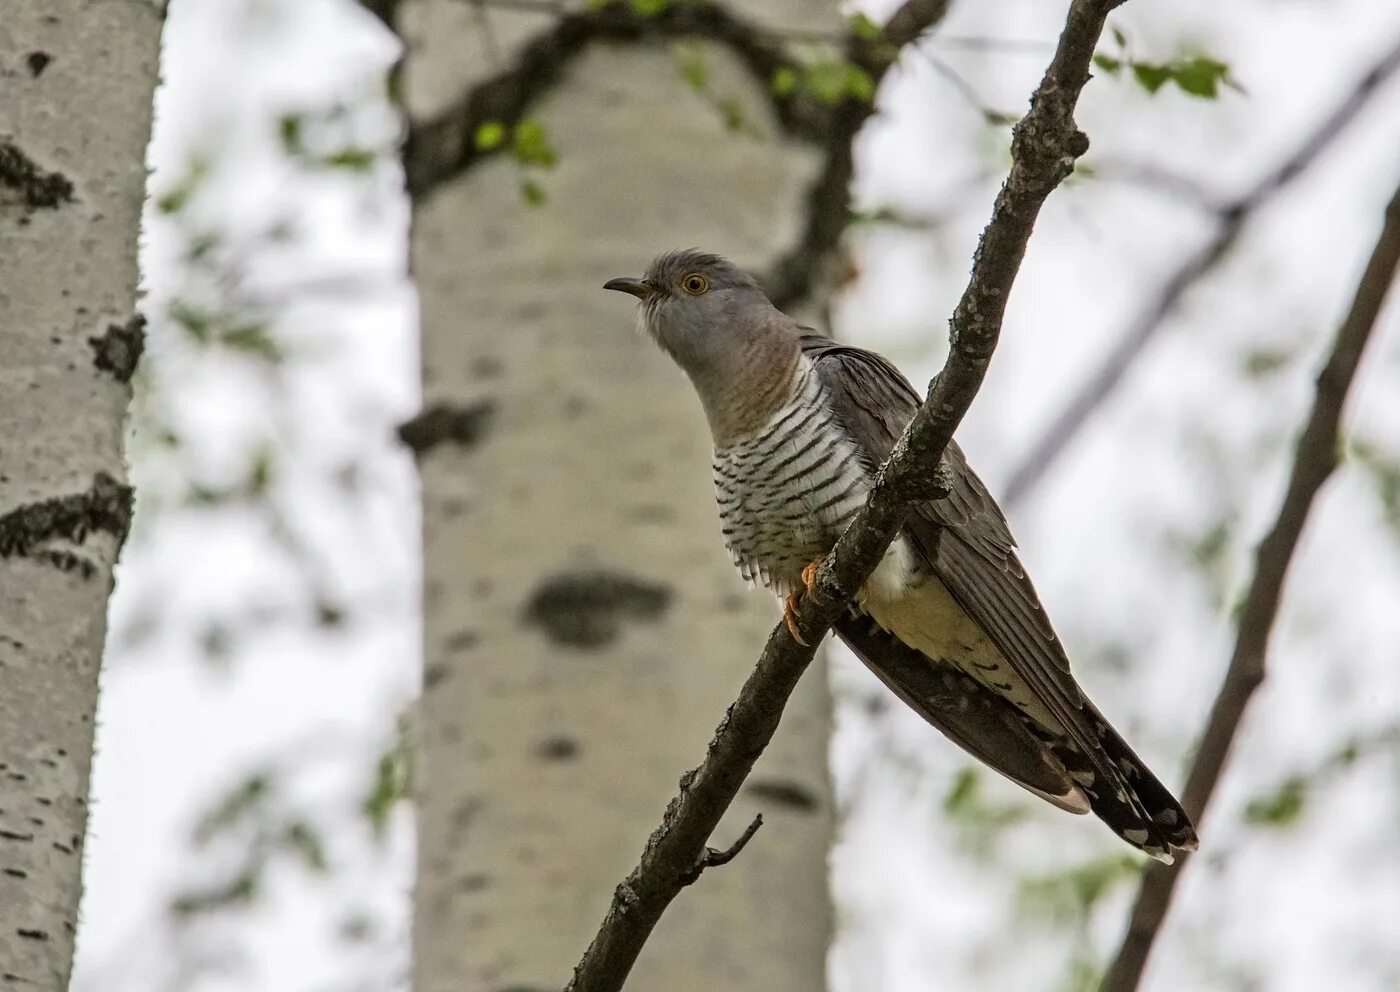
970	715
964	540
874	403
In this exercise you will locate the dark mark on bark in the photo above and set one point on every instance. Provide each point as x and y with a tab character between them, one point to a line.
105	508
586	609
462	424
793	795
558	748
37	62
474	882
463	640
32	934
66	561
118	351
37	188
434	674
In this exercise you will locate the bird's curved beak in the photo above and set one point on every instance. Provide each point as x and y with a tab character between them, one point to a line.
637	287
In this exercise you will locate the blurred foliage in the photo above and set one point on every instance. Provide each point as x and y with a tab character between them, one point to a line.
529	145
1195	74
981	822
1285	804
694	71
252	824
1383	469
392	782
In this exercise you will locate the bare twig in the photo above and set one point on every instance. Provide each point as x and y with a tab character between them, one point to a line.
1044	147
1144	327
712	858
1313	462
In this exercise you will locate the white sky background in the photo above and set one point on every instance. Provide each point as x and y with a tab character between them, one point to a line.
1182	446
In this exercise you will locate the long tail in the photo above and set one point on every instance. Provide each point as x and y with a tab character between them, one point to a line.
1133	802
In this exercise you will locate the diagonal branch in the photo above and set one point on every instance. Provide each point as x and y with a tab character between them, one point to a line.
1044	147
1313	462
1231	218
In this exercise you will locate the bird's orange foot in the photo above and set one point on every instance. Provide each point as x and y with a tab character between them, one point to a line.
809	578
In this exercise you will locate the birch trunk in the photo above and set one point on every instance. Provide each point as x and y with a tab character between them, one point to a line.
76	85
584	627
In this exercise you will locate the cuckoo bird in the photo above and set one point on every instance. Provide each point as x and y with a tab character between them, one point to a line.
949	619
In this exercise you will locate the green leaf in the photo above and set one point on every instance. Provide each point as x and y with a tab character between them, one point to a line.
963	793
489	135
733	113
826	80
174	199
240	890
239	802
351	159
254	340
864	28
1108	63
531	145
1385	475
1074	892
532	193
693	69
1282	809
393	781
302	840
1151	77
859	83
784	82
1120	38
289	129
1201	76
260	472
649	8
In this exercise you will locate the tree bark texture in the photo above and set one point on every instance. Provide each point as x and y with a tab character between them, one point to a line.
584	626
76	85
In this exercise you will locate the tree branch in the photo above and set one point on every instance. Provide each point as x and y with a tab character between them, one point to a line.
711	858
1231	218
1044	147
445	146
829	200
1313	462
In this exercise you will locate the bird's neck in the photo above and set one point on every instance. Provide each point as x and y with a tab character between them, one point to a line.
743	388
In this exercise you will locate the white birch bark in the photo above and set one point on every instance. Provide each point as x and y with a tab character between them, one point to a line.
584	627
76	85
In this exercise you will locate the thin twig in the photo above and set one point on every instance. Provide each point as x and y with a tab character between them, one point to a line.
1044	147
1313	462
1066	426
712	858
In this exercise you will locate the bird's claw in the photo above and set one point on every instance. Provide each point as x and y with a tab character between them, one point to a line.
790	605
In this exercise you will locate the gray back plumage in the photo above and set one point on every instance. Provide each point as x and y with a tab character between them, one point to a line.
964	540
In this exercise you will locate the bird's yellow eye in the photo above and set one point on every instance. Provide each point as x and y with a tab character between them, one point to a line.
695	284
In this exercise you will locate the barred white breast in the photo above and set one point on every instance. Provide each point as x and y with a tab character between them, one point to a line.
788	490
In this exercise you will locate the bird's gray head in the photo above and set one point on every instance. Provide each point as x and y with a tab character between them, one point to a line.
697	306
738	349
